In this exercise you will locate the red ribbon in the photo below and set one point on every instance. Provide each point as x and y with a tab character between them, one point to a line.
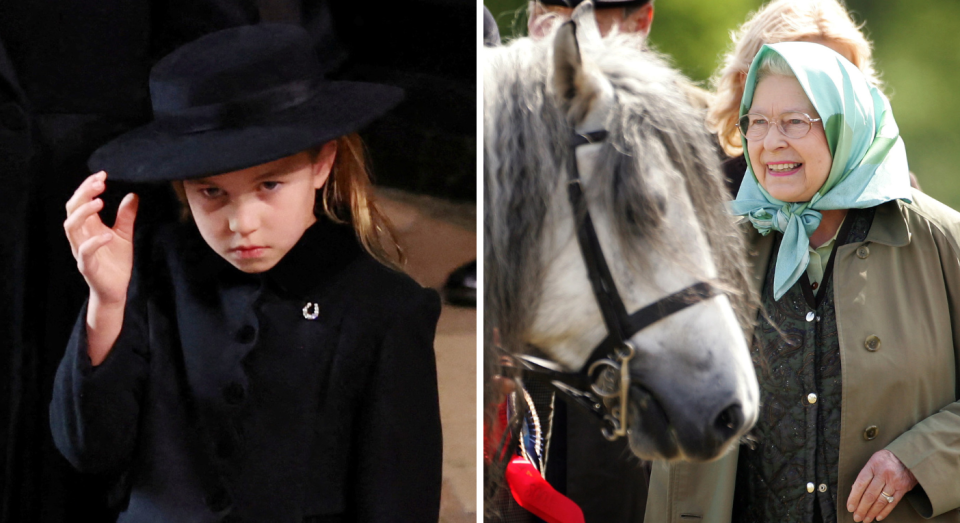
535	495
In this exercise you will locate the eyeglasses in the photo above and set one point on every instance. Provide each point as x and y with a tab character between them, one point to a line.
791	125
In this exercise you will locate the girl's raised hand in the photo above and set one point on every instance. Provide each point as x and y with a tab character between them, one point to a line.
104	255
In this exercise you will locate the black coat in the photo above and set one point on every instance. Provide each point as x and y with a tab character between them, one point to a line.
221	397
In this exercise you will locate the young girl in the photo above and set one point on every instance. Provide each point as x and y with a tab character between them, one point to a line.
258	362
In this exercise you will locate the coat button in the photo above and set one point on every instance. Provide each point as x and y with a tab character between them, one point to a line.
12	117
871	432
822	487
234	393
811	315
872	343
219	500
810	487
246	334
811	398
863	251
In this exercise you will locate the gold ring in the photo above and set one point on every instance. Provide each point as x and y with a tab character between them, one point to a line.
888	497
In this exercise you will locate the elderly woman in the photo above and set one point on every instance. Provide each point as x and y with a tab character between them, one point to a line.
820	21
857	349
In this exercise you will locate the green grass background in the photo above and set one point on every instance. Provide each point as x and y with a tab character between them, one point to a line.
916	48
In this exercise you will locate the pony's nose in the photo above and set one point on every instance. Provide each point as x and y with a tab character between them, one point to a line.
708	442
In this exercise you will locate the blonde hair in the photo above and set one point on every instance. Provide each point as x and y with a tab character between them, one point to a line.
346	197
781	21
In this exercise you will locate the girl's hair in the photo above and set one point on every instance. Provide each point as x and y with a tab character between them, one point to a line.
346	197
781	21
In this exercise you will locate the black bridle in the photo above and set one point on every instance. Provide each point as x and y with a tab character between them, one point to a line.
602	385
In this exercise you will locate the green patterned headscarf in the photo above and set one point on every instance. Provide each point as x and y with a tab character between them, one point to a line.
869	160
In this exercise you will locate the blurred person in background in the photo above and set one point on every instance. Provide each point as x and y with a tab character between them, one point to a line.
628	16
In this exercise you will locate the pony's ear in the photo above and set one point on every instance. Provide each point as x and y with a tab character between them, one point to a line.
587	28
574	88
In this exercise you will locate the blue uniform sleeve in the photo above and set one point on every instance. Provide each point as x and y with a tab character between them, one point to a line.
94	410
400	442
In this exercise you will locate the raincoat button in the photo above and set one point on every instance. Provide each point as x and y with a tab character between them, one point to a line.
811	315
812	398
863	251
872	343
871	432
810	487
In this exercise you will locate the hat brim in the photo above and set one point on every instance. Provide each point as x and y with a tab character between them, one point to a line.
156	153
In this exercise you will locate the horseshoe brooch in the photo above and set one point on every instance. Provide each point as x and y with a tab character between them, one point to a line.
311	311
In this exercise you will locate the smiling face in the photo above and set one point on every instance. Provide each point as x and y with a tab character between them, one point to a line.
790	169
254	216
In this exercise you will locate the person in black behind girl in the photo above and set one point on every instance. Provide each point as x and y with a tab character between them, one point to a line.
261	361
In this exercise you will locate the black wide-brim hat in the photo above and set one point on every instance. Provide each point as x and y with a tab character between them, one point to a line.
235	99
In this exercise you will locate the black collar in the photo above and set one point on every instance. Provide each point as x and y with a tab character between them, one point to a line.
325	249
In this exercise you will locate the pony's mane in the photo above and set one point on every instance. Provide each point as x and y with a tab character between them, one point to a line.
656	133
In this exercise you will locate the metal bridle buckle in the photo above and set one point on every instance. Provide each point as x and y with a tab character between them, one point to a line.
612	383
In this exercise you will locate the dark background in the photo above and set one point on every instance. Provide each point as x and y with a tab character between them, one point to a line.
428	47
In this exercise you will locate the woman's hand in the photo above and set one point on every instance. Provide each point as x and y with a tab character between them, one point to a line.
105	259
884	473
104	255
